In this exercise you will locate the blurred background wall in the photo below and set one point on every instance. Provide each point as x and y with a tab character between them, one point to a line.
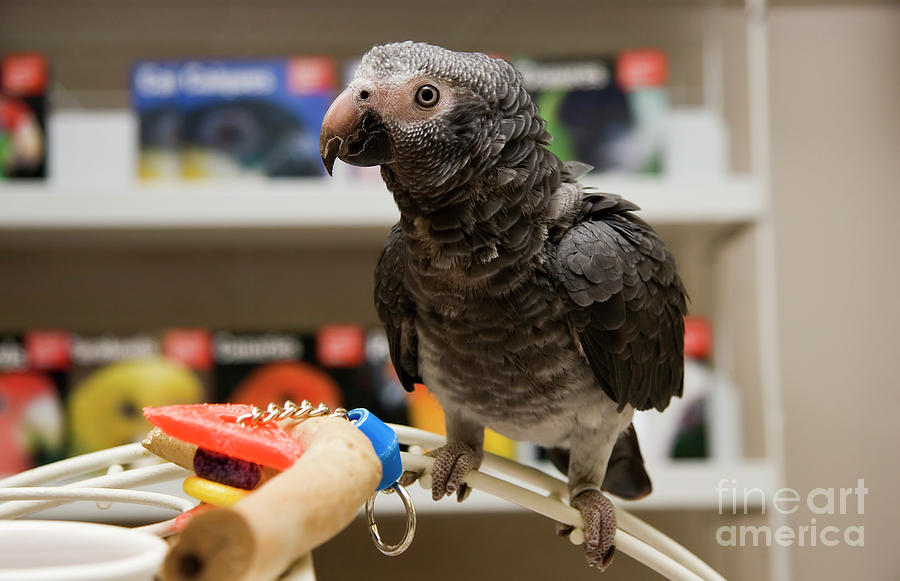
836	142
835	82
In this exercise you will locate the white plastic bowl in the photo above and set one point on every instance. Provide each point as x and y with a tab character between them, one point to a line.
34	550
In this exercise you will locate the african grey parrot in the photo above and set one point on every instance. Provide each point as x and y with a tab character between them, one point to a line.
524	302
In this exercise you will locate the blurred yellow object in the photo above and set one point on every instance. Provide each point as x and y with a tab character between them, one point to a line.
200	163
425	413
154	164
105	409
211	492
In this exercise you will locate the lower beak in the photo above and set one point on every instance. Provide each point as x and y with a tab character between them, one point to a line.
356	137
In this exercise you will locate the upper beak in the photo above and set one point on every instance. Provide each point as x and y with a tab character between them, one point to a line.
356	136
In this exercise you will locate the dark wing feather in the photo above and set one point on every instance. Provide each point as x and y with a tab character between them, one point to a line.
627	302
396	310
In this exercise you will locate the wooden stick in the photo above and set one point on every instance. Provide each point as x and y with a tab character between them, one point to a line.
288	516
169	448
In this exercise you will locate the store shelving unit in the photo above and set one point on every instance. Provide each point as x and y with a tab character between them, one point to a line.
312	202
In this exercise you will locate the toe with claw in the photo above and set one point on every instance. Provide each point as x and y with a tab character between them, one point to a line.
599	518
451	464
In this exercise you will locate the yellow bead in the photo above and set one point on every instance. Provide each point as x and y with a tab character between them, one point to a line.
212	492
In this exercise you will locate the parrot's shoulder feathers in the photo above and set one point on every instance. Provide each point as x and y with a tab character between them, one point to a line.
626	302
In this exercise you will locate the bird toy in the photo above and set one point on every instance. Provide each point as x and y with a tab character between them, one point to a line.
310	470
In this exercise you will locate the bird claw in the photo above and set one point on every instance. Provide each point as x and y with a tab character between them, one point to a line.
409	478
451	464
599	518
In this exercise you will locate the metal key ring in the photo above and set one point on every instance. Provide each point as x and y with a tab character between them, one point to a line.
406	541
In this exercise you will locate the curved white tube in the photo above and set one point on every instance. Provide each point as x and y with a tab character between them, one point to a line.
126	479
633	538
160	529
97	494
77	465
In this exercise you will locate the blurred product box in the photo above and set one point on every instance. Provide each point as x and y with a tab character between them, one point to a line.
203	119
154	98
340	365
64	393
23	111
113	377
607	112
32	377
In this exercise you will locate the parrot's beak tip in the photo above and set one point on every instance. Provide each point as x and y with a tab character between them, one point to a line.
330	150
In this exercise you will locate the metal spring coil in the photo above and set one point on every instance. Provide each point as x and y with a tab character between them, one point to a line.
290	410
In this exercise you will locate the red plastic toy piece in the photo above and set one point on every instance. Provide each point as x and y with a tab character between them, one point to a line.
214	427
182	519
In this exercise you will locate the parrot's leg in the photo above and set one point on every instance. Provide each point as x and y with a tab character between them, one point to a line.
590	450
464	451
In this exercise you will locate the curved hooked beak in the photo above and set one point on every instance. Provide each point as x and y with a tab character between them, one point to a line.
357	137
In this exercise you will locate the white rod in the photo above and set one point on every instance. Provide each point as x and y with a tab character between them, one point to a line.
558	488
655	558
127	479
77	465
526	474
559	512
766	265
656	538
160	529
713	63
97	494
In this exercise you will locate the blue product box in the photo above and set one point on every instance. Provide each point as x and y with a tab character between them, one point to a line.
154	98
234	118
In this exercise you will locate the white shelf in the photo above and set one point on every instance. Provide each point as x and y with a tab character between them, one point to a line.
321	203
677	486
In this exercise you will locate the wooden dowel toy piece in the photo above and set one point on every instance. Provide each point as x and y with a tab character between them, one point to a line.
169	448
286	517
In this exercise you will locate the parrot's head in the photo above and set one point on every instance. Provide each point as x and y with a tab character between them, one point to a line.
433	119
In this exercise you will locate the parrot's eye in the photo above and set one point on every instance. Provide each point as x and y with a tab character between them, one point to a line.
427	96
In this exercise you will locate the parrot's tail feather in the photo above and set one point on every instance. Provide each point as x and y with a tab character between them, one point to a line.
626	476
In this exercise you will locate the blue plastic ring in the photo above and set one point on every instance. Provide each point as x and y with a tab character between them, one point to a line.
385	442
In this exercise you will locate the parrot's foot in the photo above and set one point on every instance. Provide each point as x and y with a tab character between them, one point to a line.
599	518
451	464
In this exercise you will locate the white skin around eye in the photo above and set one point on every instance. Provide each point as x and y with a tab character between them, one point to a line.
395	98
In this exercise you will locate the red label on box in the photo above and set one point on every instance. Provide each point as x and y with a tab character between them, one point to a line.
341	346
636	69
12	113
193	347
697	337
310	75
23	75
49	350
